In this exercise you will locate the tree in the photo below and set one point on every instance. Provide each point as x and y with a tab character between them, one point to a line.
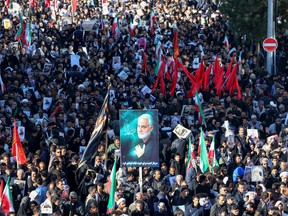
250	17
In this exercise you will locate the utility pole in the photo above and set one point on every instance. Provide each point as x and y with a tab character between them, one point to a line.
270	33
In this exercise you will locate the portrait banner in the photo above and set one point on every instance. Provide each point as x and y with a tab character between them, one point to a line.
257	174
139	138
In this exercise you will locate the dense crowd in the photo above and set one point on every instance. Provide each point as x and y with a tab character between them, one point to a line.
57	99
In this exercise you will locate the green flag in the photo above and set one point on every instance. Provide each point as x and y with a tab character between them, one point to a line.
202	116
204	162
111	202
11	4
21	29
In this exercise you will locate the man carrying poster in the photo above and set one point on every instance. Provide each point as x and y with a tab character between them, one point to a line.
139	147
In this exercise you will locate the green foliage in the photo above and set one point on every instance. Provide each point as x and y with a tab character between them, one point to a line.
247	17
282	20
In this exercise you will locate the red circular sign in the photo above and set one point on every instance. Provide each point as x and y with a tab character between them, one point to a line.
270	44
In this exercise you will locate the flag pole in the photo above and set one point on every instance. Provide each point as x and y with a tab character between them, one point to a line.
105	161
17	150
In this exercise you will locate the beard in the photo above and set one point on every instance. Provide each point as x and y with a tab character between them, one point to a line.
144	135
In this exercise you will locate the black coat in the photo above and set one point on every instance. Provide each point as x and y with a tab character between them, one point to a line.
195	211
216	209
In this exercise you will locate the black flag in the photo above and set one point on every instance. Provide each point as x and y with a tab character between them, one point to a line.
101	126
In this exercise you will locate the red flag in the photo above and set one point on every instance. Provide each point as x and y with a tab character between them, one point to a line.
152	20
47	3
55	111
205	80
2	185
144	63
115	28
216	67
73	6
17	149
160	77
131	29
199	72
232	83
176	43
174	67
195	85
169	68
218	81
9	4
229	69
7	199
226	42
32	3
239	93
211	152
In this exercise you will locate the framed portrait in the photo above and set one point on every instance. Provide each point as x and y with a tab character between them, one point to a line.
257	174
139	138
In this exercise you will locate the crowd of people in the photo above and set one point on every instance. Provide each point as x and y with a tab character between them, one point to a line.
54	85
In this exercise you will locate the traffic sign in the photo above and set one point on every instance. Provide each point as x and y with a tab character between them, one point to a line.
270	44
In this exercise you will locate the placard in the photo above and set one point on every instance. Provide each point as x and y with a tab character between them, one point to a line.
47	69
272	138
257	174
75	60
186	110
146	90
46	207
123	75
87	25
105	9
142	43
21	185
116	64
253	133
7	23
21	132
47	102
182	132
247	173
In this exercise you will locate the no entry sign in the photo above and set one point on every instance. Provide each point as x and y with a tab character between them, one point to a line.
270	44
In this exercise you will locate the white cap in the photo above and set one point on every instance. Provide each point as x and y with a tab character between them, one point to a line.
273	104
225	179
284	174
81	86
24	101
120	200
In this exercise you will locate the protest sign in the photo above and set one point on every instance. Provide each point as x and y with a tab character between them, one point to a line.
257	174
182	132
